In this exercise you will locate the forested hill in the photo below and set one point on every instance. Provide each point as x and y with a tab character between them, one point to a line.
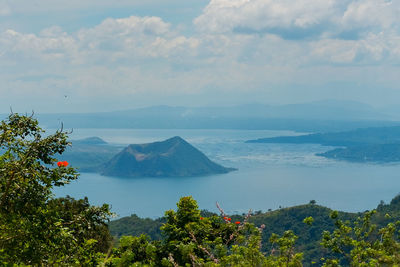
277	221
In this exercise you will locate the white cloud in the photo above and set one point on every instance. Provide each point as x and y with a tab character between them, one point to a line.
114	39
134	37
265	15
372	13
130	26
331	31
52	45
114	55
373	49
138	56
300	18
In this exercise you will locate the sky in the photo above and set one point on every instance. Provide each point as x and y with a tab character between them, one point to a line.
103	55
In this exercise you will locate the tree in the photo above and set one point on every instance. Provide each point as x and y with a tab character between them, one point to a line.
192	240
362	243
34	228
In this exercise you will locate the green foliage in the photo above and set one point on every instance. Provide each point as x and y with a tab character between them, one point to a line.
34	228
278	221
293	218
363	243
136	226
192	240
308	222
84	221
133	250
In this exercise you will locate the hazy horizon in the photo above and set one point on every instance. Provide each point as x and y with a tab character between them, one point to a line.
91	56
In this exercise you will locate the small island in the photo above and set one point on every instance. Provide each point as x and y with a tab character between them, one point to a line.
173	157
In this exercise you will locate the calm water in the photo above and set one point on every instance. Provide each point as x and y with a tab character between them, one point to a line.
269	176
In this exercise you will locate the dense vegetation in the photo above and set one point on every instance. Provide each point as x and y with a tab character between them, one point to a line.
277	221
37	229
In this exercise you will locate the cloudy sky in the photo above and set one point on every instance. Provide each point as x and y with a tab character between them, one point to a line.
94	55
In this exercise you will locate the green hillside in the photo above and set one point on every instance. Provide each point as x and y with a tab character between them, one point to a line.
276	222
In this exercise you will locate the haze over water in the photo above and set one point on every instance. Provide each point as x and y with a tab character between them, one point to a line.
269	176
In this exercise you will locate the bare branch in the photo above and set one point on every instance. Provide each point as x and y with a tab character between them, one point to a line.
212	257
171	259
248	216
220	209
193	259
62	128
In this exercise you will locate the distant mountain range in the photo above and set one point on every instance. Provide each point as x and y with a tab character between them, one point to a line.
328	115
173	157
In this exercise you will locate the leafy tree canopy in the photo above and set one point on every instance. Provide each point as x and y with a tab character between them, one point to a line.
34	227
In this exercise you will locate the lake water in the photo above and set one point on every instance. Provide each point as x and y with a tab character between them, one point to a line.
269	176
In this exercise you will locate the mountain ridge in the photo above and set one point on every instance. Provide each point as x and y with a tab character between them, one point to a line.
328	115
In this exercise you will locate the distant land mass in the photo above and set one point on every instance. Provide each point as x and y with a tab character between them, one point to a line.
173	157
89	154
90	141
379	153
379	144
375	135
319	116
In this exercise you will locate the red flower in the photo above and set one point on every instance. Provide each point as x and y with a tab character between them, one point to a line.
229	219
62	164
237	222
225	218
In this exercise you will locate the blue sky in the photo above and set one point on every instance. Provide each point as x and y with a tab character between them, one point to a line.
98	55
